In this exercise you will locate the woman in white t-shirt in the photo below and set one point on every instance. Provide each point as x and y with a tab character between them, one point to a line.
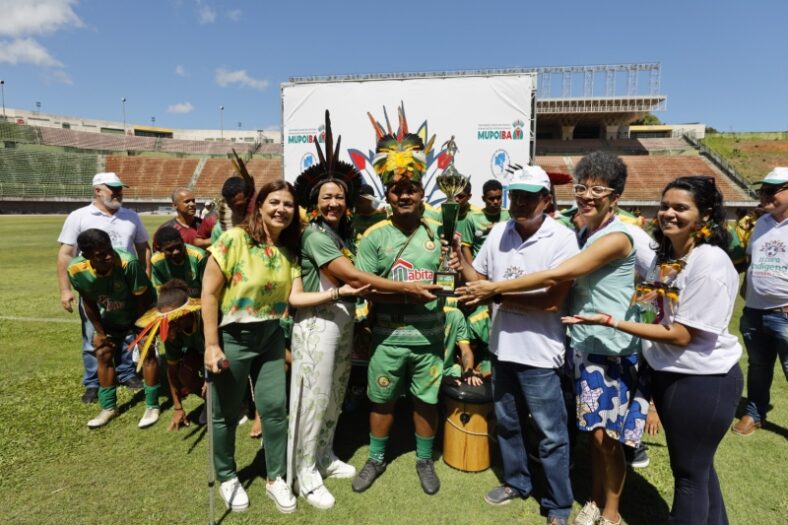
697	383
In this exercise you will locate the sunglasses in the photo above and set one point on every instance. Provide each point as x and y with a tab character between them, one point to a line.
581	190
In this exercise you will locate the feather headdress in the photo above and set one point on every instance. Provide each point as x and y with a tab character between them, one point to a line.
154	322
399	155
328	168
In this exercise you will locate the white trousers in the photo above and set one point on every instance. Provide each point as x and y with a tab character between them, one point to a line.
321	346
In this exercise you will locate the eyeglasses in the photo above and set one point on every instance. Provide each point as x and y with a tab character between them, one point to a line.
768	190
596	192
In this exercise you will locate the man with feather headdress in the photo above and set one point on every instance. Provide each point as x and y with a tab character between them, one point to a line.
407	340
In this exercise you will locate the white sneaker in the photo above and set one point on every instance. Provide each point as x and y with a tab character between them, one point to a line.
320	498
234	495
588	515
336	468
149	417
102	418
280	492
244	419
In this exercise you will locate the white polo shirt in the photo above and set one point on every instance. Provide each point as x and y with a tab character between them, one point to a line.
767	276
531	337
124	227
707	285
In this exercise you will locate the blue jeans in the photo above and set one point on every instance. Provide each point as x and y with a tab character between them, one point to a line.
124	365
765	335
521	389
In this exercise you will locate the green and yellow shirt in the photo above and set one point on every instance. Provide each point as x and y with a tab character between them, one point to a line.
190	271
115	294
455	331
395	324
258	277
318	249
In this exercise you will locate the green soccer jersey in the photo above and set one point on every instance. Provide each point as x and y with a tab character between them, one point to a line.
479	332
362	223
190	271
477	225
455	331
397	324
317	250
115	294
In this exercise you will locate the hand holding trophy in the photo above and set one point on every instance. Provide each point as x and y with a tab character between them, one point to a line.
451	183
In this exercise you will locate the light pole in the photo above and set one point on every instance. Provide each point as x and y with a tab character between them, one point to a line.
123	102
38	107
153	121
221	122
2	90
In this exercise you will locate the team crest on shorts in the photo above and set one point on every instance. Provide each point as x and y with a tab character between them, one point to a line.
383	381
429	246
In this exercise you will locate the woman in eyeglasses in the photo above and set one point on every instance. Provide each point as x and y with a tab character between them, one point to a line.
610	404
697	383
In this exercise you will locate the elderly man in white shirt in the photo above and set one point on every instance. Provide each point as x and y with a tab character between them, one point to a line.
127	232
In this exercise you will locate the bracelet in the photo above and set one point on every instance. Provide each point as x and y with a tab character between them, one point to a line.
334	294
181	409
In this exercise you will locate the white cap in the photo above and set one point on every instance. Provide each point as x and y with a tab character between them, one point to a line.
529	178
107	179
776	176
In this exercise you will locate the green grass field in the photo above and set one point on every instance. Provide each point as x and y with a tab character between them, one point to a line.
55	470
753	155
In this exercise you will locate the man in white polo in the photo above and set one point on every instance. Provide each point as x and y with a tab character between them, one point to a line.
764	321
126	232
527	343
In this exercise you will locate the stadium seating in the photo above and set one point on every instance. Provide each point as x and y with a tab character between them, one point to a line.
43	175
95	141
16	133
150	177
647	175
216	171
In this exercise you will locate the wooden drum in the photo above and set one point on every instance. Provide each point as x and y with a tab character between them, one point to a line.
467	430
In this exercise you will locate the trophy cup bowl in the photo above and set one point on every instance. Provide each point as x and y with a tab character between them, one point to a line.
451	183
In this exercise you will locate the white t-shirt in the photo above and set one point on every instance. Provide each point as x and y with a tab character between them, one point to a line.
124	227
767	276
707	292
530	337
644	253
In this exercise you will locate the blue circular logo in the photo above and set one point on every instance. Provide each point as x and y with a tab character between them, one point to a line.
307	161
498	164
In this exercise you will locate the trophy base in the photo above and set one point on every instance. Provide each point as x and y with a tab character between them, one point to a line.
447	281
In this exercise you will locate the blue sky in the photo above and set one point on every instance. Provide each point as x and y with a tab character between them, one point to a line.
723	63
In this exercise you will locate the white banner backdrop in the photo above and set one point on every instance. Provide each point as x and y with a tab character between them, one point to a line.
489	116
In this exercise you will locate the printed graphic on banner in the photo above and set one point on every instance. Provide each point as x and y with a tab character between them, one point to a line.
498	163
307	136
513	131
436	163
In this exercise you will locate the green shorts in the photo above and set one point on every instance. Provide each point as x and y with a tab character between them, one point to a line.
391	367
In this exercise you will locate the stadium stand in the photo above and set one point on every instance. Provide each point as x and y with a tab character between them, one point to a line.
44	175
647	175
95	141
216	171
150	177
18	134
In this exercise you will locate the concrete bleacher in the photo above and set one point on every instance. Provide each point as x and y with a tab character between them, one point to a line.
149	177
19	134
647	176
673	145
95	141
42	175
216	171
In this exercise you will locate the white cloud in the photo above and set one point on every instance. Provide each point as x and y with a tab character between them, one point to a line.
234	14
26	51
206	13
180	70
180	107
62	76
225	78
34	17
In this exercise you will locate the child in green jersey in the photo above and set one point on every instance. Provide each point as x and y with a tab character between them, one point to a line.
115	290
